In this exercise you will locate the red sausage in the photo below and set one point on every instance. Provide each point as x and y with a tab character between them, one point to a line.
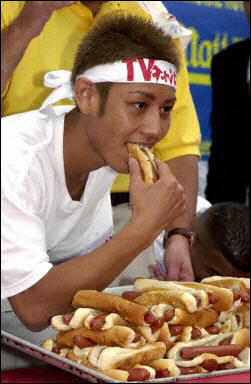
137	374
56	350
244	296
188	370
98	321
162	373
213	330
226	366
226	341
130	295
198	300
175	330
196	333
169	345
66	318
157	324
169	314
210	365
219	350
238	319
83	342
149	317
212	297
136	338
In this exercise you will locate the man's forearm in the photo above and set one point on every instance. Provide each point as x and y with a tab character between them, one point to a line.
53	294
14	41
185	169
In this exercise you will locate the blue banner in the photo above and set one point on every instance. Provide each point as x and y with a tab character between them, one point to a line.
214	25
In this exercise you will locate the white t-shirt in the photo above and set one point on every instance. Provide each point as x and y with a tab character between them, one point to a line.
41	224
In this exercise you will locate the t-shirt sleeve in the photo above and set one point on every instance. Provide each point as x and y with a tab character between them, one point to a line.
24	256
183	137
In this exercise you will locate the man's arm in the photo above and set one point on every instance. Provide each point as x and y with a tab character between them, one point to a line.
177	258
18	35
53	294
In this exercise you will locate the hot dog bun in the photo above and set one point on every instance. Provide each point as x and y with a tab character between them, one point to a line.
114	357
146	161
118	335
132	312
240	283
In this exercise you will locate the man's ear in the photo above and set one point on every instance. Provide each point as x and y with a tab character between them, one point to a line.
84	94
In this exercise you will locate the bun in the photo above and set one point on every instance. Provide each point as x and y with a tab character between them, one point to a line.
146	161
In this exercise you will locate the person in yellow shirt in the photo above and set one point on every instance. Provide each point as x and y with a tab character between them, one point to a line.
41	36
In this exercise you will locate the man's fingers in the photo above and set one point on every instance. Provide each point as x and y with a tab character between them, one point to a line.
134	169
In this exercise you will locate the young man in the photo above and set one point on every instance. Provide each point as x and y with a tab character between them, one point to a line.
59	164
37	35
221	244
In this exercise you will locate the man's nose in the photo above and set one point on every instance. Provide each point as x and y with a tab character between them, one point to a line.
151	126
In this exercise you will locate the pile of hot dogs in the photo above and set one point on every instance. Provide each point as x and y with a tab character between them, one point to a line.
161	329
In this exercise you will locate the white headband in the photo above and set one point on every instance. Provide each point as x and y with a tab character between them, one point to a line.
123	71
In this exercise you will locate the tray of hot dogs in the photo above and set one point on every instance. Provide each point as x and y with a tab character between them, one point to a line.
153	331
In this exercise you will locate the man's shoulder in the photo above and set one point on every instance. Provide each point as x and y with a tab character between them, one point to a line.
233	51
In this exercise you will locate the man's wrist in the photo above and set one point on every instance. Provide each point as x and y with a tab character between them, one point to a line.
186	233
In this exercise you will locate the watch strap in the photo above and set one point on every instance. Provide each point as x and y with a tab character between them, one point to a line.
189	235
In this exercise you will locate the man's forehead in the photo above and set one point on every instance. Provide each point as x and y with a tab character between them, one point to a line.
151	91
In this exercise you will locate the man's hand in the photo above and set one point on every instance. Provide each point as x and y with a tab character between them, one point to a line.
155	206
18	35
177	260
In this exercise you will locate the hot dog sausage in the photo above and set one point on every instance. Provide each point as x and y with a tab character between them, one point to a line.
149	317
219	350
56	350
169	345
175	330
169	314
212	297
210	365
98	321
83	342
66	318
198	300
162	373
226	366
226	341
157	324
188	370
213	330
130	295
196	333
244	296
238	319
137	374
136	338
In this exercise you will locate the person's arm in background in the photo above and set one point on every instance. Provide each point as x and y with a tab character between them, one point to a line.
16	37
180	149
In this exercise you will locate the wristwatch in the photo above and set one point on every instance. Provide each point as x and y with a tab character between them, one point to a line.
189	235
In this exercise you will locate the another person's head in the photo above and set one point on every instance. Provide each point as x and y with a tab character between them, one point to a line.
222	244
246	6
135	107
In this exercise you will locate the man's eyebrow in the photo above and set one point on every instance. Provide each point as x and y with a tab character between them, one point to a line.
152	97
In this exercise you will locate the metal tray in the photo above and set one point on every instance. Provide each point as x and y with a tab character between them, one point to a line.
14	334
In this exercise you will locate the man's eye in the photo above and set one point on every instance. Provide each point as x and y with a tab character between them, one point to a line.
166	110
140	106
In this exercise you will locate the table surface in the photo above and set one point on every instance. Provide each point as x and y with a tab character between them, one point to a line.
50	374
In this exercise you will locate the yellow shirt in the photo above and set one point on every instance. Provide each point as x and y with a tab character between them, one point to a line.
55	49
